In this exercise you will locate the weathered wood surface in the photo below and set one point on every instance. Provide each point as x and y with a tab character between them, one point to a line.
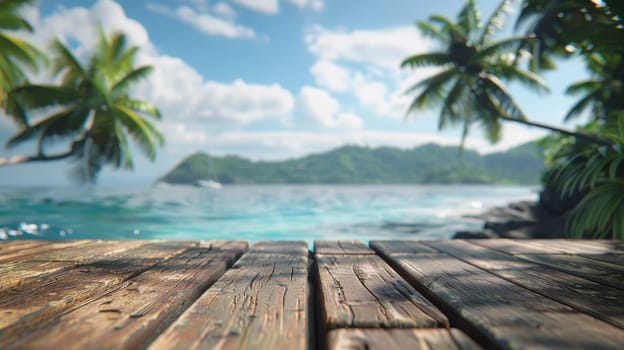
13	246
24	307
262	302
131	315
295	248
600	301
401	247
46	263
364	291
591	269
400	339
32	251
500	313
341	247
140	294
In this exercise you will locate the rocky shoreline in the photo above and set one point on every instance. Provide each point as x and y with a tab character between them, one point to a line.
544	218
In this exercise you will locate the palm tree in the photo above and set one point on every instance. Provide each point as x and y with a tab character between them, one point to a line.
569	27
469	88
14	52
97	115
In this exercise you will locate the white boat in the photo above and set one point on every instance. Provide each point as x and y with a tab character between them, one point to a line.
209	184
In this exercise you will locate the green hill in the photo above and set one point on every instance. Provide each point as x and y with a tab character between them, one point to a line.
427	164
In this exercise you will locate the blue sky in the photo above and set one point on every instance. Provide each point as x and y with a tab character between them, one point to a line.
271	79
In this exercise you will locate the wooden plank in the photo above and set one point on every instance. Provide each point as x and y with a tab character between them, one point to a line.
47	263
33	251
23	308
600	301
280	247
570	246
260	303
591	269
501	314
16	245
341	247
131	316
399	339
362	291
526	247
401	247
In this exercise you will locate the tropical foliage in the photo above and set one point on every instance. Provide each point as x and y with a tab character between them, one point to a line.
593	31
588	160
469	87
93	111
15	53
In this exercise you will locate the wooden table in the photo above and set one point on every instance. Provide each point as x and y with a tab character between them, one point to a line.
459	294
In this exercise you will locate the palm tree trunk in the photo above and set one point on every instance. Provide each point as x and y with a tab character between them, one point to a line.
578	135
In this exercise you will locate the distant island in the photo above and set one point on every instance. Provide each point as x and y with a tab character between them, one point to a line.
426	164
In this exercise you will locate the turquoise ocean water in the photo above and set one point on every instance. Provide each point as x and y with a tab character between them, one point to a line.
248	212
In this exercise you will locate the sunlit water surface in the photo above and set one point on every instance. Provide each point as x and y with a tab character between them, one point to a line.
249	212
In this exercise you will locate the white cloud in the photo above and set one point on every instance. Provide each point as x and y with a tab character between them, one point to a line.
225	10
365	64
384	48
206	22
318	106
332	76
316	5
269	7
242	102
271	145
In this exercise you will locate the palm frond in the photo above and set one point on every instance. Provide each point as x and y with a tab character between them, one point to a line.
132	77
600	212
125	156
65	61
469	18
456	33
34	130
144	133
38	96
495	48
21	50
495	22
506	105
427	59
583	86
430	30
449	112
580	106
141	107
432	89
527	78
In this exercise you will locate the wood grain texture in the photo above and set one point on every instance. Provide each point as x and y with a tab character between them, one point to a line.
605	253
400	339
25	307
33	251
13	246
45	264
260	303
341	247
401	247
591	269
500	313
592	298
298	248
362	291
570	246
132	315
